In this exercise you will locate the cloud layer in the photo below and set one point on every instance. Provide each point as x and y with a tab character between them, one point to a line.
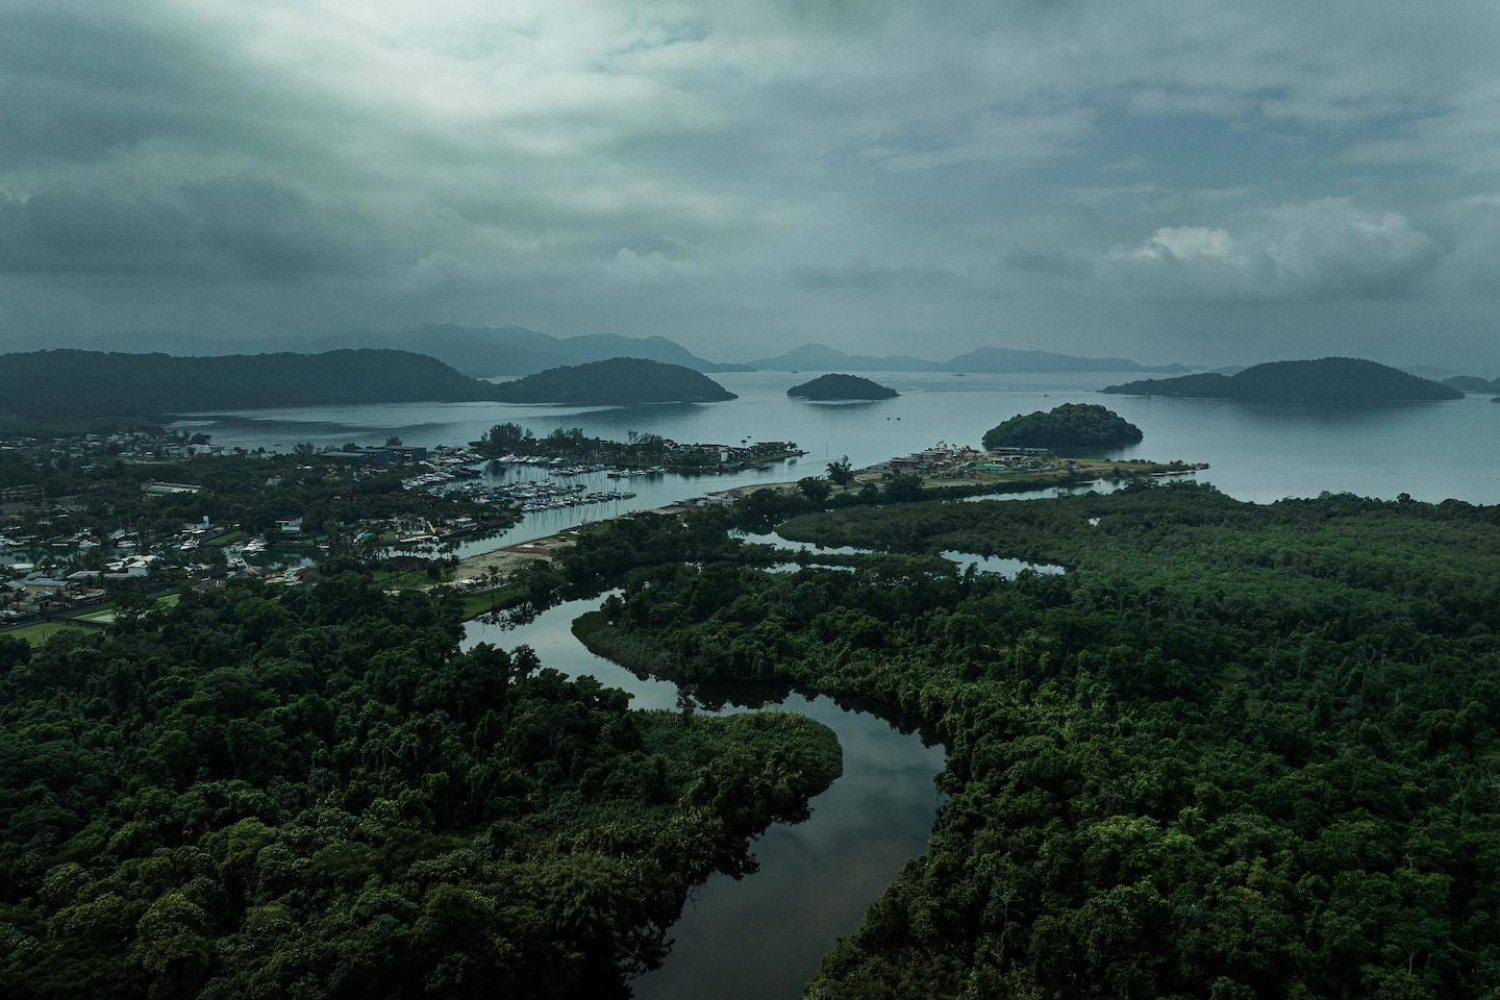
744	176
1302	253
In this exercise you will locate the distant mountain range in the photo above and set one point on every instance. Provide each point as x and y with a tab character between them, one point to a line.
1325	380
483	351
985	360
479	351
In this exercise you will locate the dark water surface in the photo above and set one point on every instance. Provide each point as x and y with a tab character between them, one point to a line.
763	936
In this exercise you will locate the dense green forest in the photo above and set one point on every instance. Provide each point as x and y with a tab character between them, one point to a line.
317	794
827	388
1235	752
1325	380
1071	425
616	382
56	385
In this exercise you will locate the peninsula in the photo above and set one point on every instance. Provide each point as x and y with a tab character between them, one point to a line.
1325	380
834	388
1071	425
615	382
97	384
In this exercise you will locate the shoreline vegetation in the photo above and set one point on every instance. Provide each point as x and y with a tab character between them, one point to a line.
638	451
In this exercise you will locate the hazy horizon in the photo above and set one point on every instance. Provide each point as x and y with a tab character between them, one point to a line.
1169	182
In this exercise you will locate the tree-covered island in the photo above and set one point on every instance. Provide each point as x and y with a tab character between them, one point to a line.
1069	426
1321	381
837	388
615	382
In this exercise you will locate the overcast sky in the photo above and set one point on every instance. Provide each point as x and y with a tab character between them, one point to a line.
1197	181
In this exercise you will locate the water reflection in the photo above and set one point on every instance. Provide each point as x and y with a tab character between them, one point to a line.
763	936
1431	450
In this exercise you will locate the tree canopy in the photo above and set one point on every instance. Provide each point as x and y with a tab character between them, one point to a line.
1236	751
1071	425
318	794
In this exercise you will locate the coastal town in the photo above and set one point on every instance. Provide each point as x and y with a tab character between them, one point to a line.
94	523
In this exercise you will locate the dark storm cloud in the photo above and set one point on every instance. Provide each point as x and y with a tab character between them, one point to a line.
1053	262
863	275
229	225
840	172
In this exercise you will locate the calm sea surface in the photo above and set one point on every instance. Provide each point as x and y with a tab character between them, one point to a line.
1433	451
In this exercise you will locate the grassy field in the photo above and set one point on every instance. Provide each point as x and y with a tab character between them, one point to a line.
486	601
228	538
42	631
416	579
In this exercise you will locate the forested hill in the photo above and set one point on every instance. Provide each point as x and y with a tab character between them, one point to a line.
1473	383
1325	380
616	382
1071	425
829	388
68	383
481	351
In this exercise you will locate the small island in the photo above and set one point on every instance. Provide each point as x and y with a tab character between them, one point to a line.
836	388
1071	425
616	382
1325	380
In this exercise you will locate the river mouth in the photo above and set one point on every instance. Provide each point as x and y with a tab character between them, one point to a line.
763	936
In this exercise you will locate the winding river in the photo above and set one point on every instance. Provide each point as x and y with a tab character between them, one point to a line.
763	936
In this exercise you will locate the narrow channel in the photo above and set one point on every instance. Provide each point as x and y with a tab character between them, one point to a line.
763	936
